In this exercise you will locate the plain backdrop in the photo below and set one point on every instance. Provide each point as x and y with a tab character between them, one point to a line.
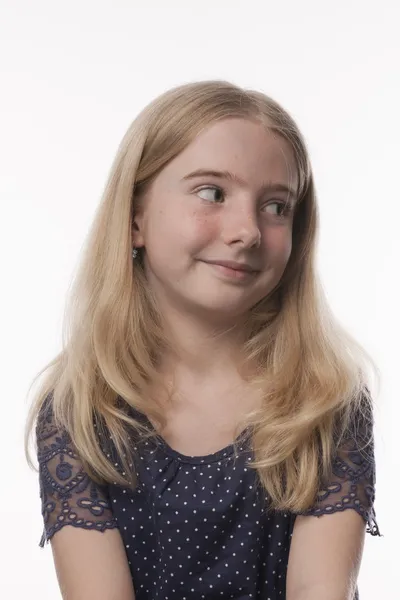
73	77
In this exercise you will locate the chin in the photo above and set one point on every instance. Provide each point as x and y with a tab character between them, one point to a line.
222	309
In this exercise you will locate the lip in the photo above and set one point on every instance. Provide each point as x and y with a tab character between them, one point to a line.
231	264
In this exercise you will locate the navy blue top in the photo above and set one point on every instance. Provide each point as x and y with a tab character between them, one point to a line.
195	527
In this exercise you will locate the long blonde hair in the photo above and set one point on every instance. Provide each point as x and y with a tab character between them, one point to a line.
309	369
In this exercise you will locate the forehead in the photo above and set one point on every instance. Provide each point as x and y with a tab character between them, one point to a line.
246	148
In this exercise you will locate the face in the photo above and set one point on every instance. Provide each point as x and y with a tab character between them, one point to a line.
217	243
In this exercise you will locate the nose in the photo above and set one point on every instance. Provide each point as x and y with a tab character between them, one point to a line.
241	227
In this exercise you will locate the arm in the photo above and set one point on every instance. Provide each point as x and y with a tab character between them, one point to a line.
325	556
91	564
325	553
88	551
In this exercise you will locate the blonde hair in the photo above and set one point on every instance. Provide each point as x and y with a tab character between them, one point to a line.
309	369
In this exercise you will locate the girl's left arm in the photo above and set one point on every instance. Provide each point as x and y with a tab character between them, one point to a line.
328	538
325	557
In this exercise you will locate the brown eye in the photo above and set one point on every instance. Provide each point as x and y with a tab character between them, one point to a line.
212	190
277	209
273	207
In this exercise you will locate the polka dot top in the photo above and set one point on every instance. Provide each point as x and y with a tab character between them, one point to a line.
195	527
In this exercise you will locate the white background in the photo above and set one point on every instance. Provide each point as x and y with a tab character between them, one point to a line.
75	74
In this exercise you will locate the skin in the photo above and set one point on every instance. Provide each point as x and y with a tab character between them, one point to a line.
181	224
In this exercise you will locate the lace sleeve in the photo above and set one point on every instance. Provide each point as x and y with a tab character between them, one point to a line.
352	481
68	495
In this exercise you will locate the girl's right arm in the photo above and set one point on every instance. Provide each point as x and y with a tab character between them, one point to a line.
88	550
91	564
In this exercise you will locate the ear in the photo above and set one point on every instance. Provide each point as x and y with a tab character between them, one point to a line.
138	228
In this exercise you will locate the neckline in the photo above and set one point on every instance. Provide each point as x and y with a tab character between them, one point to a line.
218	456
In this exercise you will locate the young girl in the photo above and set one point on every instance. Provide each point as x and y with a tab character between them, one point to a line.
205	407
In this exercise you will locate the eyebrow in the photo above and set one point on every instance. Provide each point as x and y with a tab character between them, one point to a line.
268	186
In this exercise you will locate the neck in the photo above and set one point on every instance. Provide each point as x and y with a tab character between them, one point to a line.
200	348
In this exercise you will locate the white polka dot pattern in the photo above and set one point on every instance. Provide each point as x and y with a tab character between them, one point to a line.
195	527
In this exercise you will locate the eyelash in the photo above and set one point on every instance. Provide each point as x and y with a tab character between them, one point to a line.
287	207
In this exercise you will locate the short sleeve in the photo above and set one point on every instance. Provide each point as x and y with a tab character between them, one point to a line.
68	495
352	481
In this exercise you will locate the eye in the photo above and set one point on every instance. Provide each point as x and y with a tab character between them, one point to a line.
212	189
278	208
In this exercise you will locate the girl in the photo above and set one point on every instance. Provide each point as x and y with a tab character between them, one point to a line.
205	407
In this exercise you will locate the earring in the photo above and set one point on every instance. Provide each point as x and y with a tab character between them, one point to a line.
135	253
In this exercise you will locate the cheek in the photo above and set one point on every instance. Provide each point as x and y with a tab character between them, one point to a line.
278	244
180	229
199	228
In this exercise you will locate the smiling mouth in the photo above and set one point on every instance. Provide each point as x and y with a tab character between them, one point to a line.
233	271
234	266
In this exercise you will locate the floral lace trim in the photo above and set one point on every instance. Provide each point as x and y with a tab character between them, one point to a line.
69	519
354	487
63	479
349	501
